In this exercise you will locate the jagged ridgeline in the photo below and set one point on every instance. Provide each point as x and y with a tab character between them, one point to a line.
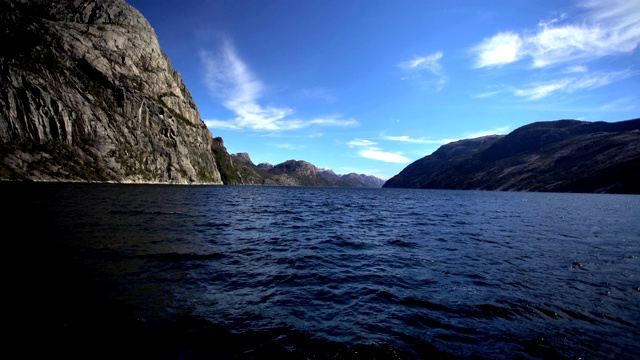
87	94
239	169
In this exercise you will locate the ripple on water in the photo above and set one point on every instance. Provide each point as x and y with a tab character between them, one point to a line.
322	272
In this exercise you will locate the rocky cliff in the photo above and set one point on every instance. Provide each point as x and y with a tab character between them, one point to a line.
557	156
88	94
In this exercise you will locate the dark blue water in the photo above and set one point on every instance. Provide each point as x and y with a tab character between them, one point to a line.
259	272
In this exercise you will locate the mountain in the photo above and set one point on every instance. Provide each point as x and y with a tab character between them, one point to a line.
292	173
422	170
352	179
549	156
299	173
88	95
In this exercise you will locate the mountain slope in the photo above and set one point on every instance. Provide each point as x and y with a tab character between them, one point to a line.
562	156
294	173
88	94
420	171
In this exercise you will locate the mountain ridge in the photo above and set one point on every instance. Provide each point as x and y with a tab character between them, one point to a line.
242	171
549	156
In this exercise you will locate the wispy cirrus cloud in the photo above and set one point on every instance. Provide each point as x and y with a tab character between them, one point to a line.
495	131
570	80
539	90
430	63
229	80
487	94
606	27
624	104
407	139
368	149
404	138
286	146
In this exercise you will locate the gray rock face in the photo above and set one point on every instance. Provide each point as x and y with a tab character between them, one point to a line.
88	94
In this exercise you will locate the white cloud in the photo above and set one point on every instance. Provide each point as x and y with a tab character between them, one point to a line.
376	154
335	120
503	48
361	142
221	124
429	63
596	80
624	104
539	90
608	27
576	69
286	146
231	81
369	150
495	131
554	45
487	94
405	138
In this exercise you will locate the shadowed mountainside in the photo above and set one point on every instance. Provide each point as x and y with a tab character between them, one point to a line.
550	156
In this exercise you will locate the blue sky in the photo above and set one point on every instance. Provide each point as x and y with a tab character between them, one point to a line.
369	86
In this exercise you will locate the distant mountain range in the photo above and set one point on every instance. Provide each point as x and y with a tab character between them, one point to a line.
239	169
551	156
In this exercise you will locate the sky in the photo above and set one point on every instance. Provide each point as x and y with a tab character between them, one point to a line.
370	86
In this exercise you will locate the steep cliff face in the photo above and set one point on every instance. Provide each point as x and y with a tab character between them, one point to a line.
88	94
557	156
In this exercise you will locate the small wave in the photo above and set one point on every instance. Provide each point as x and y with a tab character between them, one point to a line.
173	256
212	224
346	242
402	243
490	311
385	295
413	302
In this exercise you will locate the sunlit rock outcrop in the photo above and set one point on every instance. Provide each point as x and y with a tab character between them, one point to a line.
87	94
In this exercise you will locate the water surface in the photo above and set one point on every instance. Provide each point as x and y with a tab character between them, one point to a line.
298	272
